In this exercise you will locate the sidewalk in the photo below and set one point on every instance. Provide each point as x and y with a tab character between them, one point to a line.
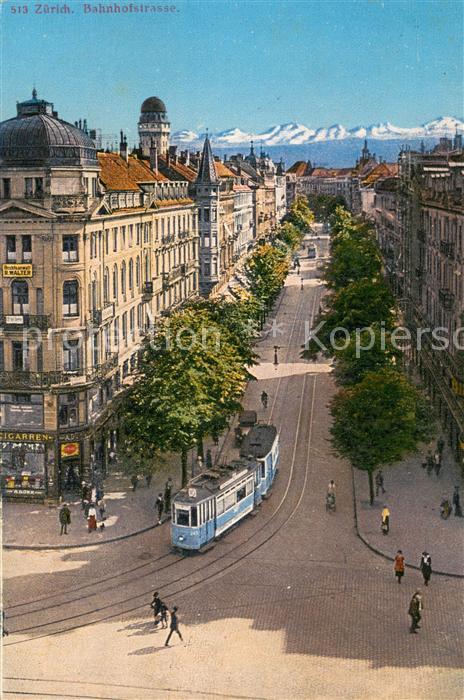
413	499
33	526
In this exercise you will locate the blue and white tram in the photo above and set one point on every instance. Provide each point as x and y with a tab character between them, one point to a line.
213	502
262	444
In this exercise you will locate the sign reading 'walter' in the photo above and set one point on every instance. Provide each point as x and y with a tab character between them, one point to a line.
13	270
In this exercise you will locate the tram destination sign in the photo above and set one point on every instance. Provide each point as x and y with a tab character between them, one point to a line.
17	270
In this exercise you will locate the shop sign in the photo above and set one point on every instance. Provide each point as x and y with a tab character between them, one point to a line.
69	449
14	320
26	437
17	270
22	492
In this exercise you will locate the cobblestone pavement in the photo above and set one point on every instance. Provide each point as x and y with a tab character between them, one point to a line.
291	604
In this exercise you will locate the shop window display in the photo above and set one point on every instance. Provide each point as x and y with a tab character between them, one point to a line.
22	465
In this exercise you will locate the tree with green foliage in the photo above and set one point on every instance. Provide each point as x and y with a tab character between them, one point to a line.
266	270
323	206
300	215
190	381
356	306
379	421
352	260
369	350
290	235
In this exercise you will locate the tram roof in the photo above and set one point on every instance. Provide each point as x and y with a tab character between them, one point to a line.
211	481
259	441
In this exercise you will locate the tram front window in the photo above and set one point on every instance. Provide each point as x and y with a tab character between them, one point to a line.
182	517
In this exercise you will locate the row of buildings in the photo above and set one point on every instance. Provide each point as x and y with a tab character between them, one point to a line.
419	218
95	246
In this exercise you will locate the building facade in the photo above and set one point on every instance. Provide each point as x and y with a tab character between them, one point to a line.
94	247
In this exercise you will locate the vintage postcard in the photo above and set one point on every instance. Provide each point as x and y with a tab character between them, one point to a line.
232	349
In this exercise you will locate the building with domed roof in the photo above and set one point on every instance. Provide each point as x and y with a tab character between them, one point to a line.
154	126
94	248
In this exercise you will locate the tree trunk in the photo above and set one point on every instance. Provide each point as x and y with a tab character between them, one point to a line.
370	474
183	461
200	448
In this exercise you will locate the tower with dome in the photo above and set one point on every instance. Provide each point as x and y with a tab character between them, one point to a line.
154	126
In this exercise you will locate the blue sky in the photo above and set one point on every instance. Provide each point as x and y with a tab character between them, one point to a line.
249	63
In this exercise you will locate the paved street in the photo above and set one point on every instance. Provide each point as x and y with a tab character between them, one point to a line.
291	604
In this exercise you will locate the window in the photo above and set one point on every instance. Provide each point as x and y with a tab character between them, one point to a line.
132	322
182	517
131	274
2	356
21	411
194	516
123	278
131	234
70	298
94	187
20	358
115	240
124	327
27	248
220	506
95	350
6	188
39	300
241	493
116	333
123	236
39	356
125	368
38	183
106	285
137	233
11	248
71	356
137	272
70	249
115	282
206	215
68	410
20	295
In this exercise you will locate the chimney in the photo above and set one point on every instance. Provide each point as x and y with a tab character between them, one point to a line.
154	157
123	151
85	125
187	157
80	123
173	153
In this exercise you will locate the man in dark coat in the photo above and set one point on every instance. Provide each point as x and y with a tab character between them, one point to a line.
64	518
415	611
174	627
457	502
156	604
159	507
426	567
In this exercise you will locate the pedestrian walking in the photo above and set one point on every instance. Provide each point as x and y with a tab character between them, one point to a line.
174	626
331	488
87	505
64	518
215	437
156	604
426	567
83	494
264	399
134	481
92	518
440	445
168	495
437	462
399	565
209	459
164	616
415	611
385	520
159	507
102	509
457	503
379	482
148	478
302	281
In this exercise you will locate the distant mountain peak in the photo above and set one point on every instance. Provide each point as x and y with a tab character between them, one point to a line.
295	133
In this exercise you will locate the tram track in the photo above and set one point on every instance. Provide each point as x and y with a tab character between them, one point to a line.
205	564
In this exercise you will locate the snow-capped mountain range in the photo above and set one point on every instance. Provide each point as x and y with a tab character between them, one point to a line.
294	134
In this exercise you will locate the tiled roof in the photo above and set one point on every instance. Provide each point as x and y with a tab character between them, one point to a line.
140	171
300	168
382	170
222	170
183	171
173	202
242	188
114	173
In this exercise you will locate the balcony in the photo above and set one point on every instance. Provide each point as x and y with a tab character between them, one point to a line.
23	379
15	322
147	288
100	371
446	299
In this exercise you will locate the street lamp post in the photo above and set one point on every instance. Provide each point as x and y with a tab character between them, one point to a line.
276	359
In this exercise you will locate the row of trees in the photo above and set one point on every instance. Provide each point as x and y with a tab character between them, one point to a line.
194	367
378	414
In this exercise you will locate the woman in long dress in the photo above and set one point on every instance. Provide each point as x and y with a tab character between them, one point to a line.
92	518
